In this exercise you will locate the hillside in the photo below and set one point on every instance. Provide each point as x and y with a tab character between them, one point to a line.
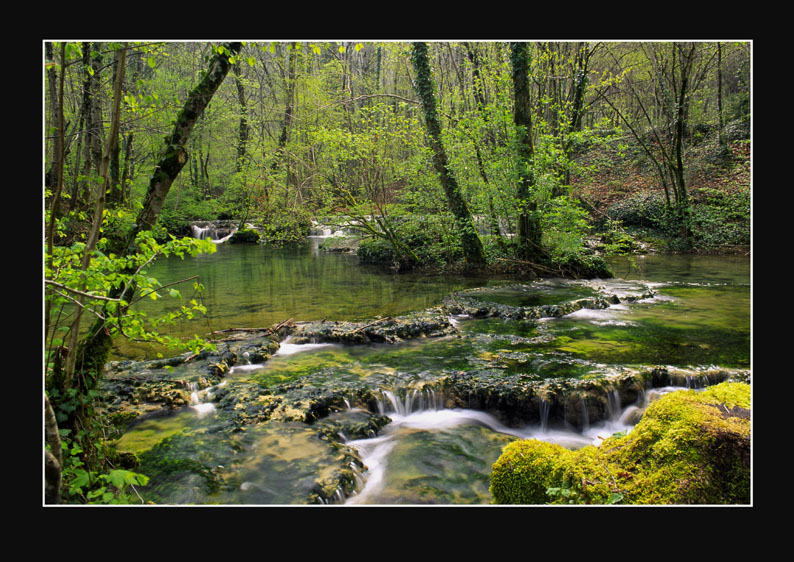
622	192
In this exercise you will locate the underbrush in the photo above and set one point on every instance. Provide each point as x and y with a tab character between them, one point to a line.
419	242
717	219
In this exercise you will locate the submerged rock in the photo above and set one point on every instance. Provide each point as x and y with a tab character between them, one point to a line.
431	323
689	448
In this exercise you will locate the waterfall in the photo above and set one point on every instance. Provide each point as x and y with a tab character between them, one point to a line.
544	415
201	400
613	404
289	348
585	413
216	231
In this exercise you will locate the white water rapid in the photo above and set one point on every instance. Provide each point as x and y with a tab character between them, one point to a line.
211	231
201	400
424	411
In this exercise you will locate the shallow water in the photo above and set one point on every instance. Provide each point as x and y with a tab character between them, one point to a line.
251	286
698	316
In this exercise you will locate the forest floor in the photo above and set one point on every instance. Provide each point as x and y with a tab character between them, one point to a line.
622	175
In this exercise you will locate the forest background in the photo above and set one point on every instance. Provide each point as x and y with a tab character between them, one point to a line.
521	156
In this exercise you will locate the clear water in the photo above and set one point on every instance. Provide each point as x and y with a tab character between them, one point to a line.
700	315
251	286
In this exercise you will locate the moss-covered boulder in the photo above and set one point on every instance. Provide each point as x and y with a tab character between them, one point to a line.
245	236
690	447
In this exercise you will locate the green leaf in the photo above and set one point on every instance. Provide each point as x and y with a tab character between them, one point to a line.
615	498
150	61
81	479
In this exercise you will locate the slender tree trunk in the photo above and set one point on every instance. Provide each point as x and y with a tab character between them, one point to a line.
51	177
58	164
175	155
682	106
472	246
53	461
68	378
529	232
479	97
719	92
242	135
92	352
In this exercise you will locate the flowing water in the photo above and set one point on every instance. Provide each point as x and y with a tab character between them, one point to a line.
698	316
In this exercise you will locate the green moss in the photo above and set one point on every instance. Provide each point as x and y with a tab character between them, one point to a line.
689	448
525	470
245	236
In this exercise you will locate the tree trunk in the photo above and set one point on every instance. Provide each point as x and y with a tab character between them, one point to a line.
175	155
682	106
472	246
529	233
92	352
53	460
242	136
68	378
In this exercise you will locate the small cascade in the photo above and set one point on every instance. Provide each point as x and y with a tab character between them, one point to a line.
413	401
544	415
201	400
585	413
289	348
613	404
216	231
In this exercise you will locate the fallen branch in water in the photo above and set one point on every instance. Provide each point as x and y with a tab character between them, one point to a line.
365	326
269	330
531	265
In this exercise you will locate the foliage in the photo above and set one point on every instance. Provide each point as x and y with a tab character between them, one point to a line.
86	486
107	289
717	218
177	219
689	448
429	238
108	272
642	209
565	226
722	218
281	225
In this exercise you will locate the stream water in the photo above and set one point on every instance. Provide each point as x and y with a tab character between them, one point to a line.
699	316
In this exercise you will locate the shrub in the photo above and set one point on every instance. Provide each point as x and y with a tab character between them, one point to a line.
428	238
722	218
644	209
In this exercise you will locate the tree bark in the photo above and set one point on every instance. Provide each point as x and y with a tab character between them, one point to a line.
472	246
529	232
175	155
92	351
242	136
53	460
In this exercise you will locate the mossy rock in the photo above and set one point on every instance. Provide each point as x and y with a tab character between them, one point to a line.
245	236
690	447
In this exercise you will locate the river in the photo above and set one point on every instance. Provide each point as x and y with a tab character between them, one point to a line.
697	316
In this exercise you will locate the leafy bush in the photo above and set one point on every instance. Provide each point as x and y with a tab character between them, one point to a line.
245	236
429	238
177	221
722	218
645	209
564	226
282	225
584	265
